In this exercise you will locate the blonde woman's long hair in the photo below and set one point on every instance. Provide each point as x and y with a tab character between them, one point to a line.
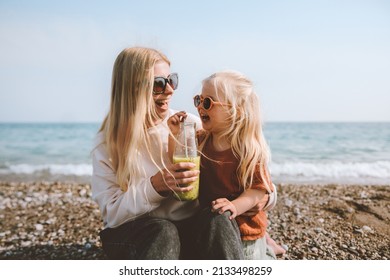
245	133
132	110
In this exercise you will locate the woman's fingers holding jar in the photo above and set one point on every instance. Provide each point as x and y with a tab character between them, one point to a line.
163	182
184	172
182	166
186	180
176	174
173	176
180	189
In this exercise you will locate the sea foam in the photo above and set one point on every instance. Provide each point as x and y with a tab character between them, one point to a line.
302	172
356	172
57	169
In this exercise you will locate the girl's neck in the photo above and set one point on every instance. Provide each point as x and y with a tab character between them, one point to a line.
220	143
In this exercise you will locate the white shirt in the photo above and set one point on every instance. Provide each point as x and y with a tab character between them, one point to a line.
141	199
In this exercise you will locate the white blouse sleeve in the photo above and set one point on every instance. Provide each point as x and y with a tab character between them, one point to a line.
116	206
272	199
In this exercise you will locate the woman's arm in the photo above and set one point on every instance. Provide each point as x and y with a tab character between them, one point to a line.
142	197
117	206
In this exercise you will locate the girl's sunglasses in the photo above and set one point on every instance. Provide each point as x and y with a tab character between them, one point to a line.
207	102
160	83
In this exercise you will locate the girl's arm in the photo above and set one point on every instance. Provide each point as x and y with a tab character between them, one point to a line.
246	201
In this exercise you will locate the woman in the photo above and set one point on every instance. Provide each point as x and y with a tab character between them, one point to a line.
133	180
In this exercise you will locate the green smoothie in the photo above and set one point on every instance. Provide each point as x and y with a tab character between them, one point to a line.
192	194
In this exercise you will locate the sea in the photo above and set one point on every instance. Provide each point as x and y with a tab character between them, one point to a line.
301	153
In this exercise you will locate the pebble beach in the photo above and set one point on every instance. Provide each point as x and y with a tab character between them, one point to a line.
59	220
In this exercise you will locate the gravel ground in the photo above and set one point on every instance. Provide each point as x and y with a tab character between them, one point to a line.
58	220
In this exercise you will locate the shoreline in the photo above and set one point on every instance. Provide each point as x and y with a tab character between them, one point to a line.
58	220
49	177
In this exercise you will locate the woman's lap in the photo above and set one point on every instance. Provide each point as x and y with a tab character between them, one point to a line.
204	236
144	238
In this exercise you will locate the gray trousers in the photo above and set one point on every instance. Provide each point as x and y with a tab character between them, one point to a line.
204	236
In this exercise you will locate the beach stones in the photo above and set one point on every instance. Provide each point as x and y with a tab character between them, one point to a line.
54	220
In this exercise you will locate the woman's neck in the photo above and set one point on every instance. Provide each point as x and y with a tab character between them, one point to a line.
220	143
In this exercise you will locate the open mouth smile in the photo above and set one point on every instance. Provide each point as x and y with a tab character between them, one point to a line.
163	104
204	117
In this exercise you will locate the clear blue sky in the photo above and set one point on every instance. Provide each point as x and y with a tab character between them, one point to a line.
310	60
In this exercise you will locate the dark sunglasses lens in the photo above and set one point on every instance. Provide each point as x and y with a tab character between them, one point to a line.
159	85
173	80
206	103
197	101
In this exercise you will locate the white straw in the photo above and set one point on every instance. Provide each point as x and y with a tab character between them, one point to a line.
185	138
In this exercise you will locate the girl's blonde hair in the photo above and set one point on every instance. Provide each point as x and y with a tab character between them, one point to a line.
132	110
245	133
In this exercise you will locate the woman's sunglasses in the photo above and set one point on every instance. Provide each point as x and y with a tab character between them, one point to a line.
207	102
160	83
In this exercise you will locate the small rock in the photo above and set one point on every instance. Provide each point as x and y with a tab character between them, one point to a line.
38	227
366	228
318	230
358	230
25	243
363	194
321	220
82	192
353	251
288	202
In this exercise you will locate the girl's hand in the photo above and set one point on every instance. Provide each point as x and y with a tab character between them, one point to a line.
175	120
221	205
170	179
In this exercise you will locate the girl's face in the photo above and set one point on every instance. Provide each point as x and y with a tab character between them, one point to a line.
162	69
216	119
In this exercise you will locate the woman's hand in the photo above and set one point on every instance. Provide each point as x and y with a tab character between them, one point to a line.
221	205
170	179
175	120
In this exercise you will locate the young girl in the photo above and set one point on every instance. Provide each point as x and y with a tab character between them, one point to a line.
234	175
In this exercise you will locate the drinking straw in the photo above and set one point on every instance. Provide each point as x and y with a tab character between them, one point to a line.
185	139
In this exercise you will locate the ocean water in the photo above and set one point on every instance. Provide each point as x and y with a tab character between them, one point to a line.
355	153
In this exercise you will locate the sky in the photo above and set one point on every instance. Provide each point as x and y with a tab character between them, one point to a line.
309	60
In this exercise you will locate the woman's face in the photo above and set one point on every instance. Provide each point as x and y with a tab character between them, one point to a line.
214	120
162	69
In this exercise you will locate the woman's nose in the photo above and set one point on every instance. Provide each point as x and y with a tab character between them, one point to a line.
168	89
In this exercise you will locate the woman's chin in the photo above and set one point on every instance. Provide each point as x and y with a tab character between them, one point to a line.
162	112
